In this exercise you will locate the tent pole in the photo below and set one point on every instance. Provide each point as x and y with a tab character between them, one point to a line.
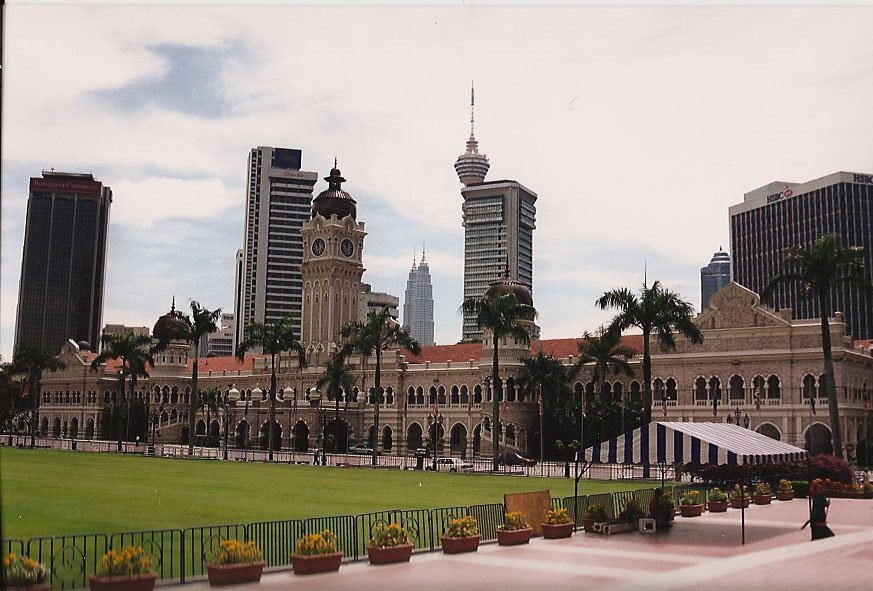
743	509
809	494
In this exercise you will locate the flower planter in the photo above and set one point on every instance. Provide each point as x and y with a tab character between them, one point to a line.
717	506
691	510
561	530
784	495
763	499
460	545
143	582
316	563
389	554
740	503
513	537
842	494
45	586
231	574
587	524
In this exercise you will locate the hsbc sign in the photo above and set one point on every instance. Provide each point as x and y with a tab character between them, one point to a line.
864	178
783	194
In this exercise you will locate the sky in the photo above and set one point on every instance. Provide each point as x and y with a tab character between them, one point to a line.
637	127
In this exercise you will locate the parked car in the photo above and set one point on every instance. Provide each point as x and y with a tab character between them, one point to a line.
362	450
451	465
510	458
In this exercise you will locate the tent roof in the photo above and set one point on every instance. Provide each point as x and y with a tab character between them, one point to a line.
701	443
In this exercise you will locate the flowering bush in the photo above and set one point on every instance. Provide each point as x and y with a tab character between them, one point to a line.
236	552
762	488
513	521
561	517
130	560
690	497
22	570
830	468
867	487
389	535
315	544
717	495
463	527
785	486
738	493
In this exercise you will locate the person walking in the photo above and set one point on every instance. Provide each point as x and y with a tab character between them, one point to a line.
818	512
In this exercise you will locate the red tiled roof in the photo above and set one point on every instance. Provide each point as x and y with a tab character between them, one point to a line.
863	344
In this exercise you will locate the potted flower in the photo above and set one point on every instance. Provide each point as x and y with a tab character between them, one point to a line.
128	569
515	530
785	490
23	573
763	493
718	501
462	535
558	524
594	513
390	543
632	511
665	503
235	562
740	497
690	505
316	553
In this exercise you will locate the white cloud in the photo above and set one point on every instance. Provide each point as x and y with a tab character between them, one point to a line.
143	203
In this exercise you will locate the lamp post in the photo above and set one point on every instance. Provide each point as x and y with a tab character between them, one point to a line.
155	418
231	395
286	393
746	421
737	414
258	393
486	379
540	411
435	421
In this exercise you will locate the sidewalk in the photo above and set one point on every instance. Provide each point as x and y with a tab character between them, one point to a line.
698	553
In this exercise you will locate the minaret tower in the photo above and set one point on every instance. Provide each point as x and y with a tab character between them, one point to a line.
472	166
333	241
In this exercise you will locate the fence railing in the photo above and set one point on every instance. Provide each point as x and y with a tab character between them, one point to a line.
180	555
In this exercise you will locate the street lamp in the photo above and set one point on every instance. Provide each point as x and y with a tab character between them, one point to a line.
258	396
289	392
231	395
746	421
435	421
737	414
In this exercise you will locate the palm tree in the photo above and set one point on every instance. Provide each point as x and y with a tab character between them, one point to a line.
338	377
607	355
201	322
548	377
379	332
135	352
33	362
656	310
272	339
504	315
819	269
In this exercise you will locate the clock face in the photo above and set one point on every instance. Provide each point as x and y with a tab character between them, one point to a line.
318	247
347	247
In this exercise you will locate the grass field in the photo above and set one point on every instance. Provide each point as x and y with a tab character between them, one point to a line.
47	492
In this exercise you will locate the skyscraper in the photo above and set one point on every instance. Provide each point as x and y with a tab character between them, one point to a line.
714	276
499	218
63	267
278	200
418	303
783	214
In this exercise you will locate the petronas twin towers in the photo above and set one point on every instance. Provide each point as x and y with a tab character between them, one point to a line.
418	303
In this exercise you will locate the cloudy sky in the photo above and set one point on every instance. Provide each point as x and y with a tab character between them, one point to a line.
637	127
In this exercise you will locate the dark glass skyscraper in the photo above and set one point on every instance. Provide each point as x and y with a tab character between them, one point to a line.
714	276
783	214
63	267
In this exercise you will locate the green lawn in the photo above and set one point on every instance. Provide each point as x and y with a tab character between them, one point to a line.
48	492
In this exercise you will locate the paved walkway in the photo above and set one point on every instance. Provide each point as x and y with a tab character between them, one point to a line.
698	553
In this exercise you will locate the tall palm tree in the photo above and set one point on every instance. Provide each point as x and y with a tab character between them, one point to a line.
33	362
819	269
135	352
273	339
338	377
656	310
504	315
200	323
379	332
607	355
548	376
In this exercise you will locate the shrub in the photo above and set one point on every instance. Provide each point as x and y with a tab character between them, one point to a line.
801	488
315	544
130	560
463	527
236	552
785	485
389	535
763	488
594	511
718	495
632	510
21	571
690	497
561	517
737	492
830	467
513	521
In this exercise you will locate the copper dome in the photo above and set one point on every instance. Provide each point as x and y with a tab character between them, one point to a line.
506	285
333	200
172	326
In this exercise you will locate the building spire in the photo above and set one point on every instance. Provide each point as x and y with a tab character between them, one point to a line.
472	166
472	108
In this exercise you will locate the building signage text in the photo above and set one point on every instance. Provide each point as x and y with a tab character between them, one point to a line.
864	178
64	186
783	194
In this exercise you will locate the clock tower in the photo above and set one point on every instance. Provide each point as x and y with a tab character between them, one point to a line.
332	268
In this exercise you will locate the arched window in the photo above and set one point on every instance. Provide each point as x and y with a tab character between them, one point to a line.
635	392
419	395
441	395
410	396
658	389
607	391
477	394
432	392
736	390
700	389
389	395
465	394
510	434
773	388
808	386
671	391
456	395
714	388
